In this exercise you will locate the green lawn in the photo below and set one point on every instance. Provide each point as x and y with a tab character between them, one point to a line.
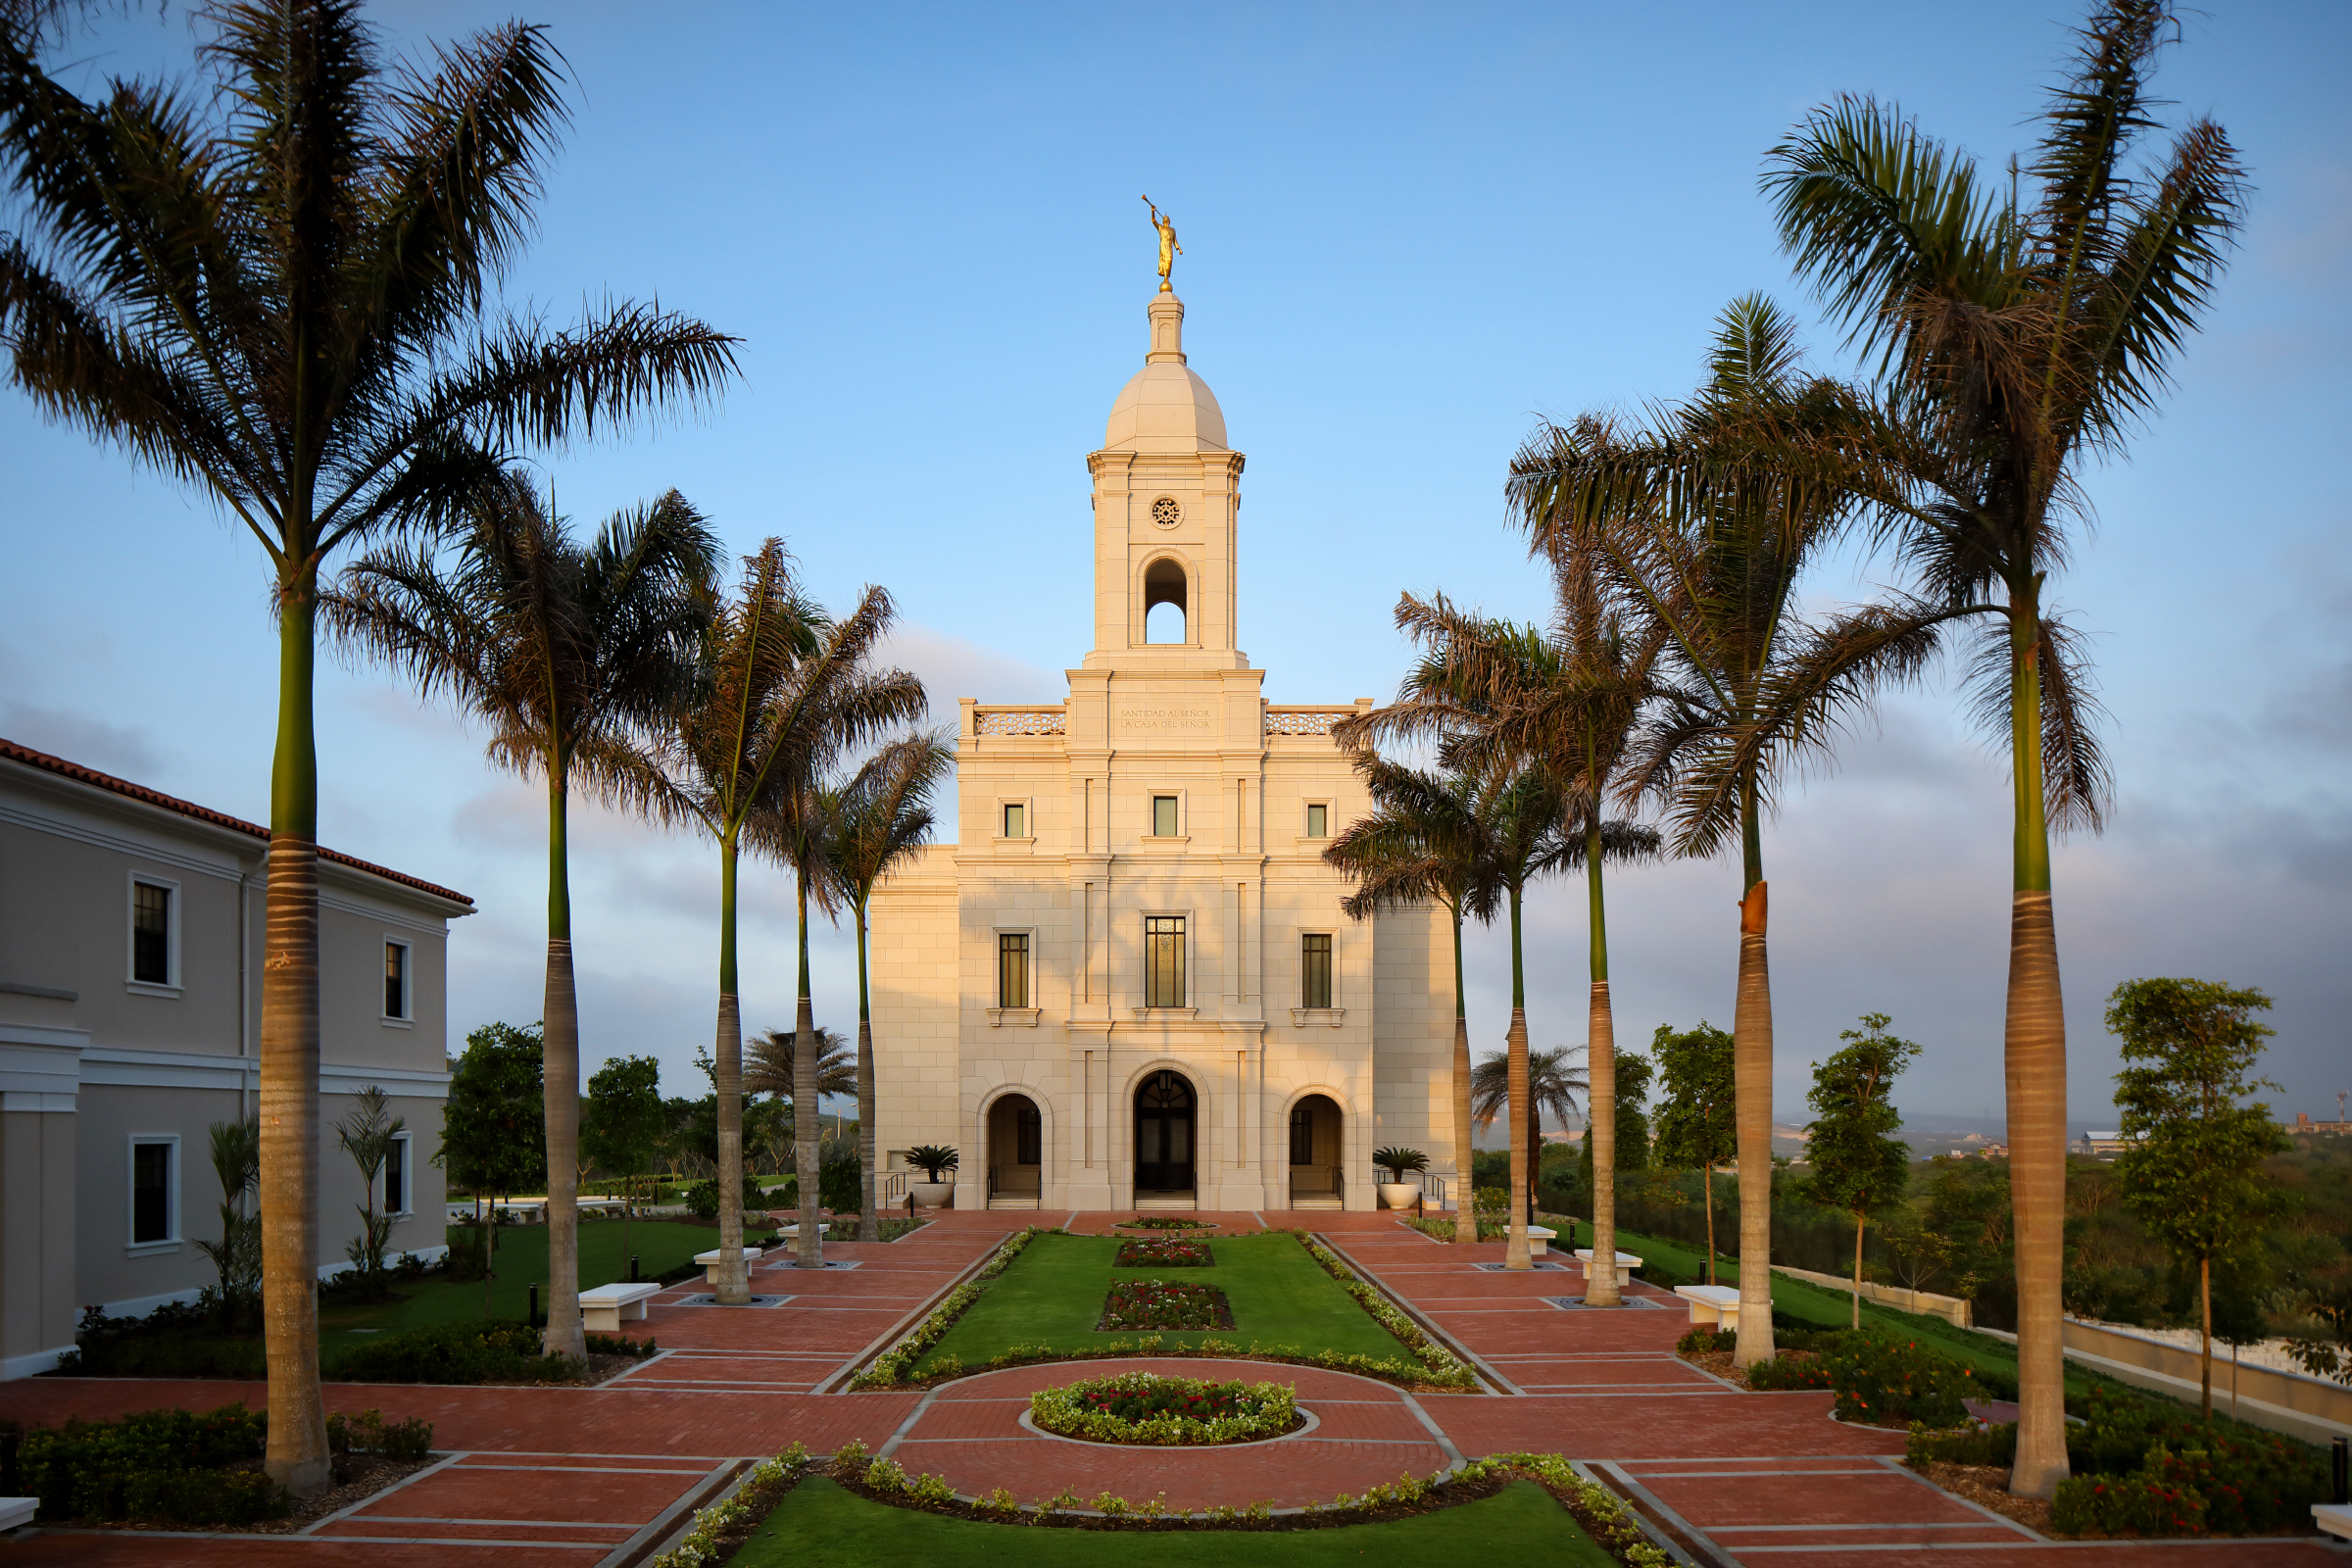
1052	1295
522	1262
818	1525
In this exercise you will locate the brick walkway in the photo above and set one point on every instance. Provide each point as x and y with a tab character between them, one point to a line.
583	1477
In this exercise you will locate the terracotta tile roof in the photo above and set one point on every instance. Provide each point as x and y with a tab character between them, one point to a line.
10	750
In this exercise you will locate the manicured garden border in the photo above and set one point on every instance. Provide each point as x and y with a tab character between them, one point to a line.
1061	1412
724	1526
889	1369
1444	1367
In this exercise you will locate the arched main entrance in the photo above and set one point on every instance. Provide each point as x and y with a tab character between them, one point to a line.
1164	1108
1016	1152
1317	1161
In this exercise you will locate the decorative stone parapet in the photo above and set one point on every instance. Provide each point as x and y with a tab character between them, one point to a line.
1019	720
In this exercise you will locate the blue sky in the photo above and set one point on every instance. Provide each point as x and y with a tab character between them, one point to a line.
1409	232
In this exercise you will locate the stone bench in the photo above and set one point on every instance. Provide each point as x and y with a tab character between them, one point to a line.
1711	1305
2333	1518
1540	1239
605	1308
1627	1262
710	1261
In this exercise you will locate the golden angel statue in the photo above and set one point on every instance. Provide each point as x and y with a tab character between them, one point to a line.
1169	250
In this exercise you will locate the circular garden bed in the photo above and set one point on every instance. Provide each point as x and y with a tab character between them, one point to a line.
1145	1407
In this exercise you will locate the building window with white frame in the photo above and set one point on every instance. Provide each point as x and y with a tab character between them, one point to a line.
1165	818
396	980
396	1176
1163	961
151	922
154	1191
1013	968
1318	820
1314	970
1017	819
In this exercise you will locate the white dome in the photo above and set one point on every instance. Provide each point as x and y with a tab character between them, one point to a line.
1165	407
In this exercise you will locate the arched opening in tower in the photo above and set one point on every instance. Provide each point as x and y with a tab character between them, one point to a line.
1165	610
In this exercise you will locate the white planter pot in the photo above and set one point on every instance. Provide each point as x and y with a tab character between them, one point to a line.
1399	1195
931	1195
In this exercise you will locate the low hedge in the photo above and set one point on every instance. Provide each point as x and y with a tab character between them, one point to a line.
488	1352
175	1340
154	1466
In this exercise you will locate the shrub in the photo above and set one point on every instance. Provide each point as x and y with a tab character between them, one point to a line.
2139	1459
458	1353
1888	1383
1145	1407
158	1466
1790	1369
1163	1252
1152	1305
2116	1505
1971	1445
1704	1341
175	1340
620	1345
701	1199
367	1432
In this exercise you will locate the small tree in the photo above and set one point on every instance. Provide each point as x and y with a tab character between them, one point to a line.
2189	1168
237	1255
368	1135
1859	1165
1697	1123
625	1123
493	1125
1634	1073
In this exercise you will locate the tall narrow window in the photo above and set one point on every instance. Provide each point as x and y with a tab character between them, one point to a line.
1164	817
395	1177
150	1192
149	934
1017	820
1318	820
1013	968
1303	1136
1314	970
395	979
1163	961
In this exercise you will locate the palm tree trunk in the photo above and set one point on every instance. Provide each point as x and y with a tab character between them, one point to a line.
297	1456
2035	1058
1857	1271
734	1277
1515	1248
1465	1214
870	1173
561	1037
1751	1074
805	1123
1601	1094
2205	1336
1706	1186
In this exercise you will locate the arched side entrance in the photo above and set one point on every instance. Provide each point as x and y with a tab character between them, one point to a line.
1317	1163
1016	1152
1165	1124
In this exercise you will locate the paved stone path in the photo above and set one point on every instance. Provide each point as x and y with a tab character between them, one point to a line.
587	1477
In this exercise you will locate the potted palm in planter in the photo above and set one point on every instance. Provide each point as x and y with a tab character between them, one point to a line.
934	1161
1396	1192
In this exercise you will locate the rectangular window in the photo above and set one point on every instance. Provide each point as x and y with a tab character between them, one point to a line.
395	979
1303	1136
1017	820
151	1191
395	1177
1164	817
1318	821
149	934
1315	970
1163	961
1013	968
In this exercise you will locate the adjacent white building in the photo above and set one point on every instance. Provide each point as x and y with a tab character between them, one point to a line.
130	929
1130	980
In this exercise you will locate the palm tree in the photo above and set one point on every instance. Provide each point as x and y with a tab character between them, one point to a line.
772	1066
1702	526
1573	700
274	292
559	646
2018	329
1428	837
717	764
877	823
1553	1087
828	705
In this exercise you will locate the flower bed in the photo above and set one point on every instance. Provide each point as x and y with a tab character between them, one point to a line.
1158	1304
1158	1252
1145	1407
1165	1223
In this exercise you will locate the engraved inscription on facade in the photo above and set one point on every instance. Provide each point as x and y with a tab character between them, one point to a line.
1170	720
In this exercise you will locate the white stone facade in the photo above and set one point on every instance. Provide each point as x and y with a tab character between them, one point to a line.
1018	1014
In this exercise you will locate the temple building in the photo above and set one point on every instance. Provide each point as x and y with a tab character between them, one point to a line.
1130	981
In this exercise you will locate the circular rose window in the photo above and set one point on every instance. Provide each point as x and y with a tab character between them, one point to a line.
1166	513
